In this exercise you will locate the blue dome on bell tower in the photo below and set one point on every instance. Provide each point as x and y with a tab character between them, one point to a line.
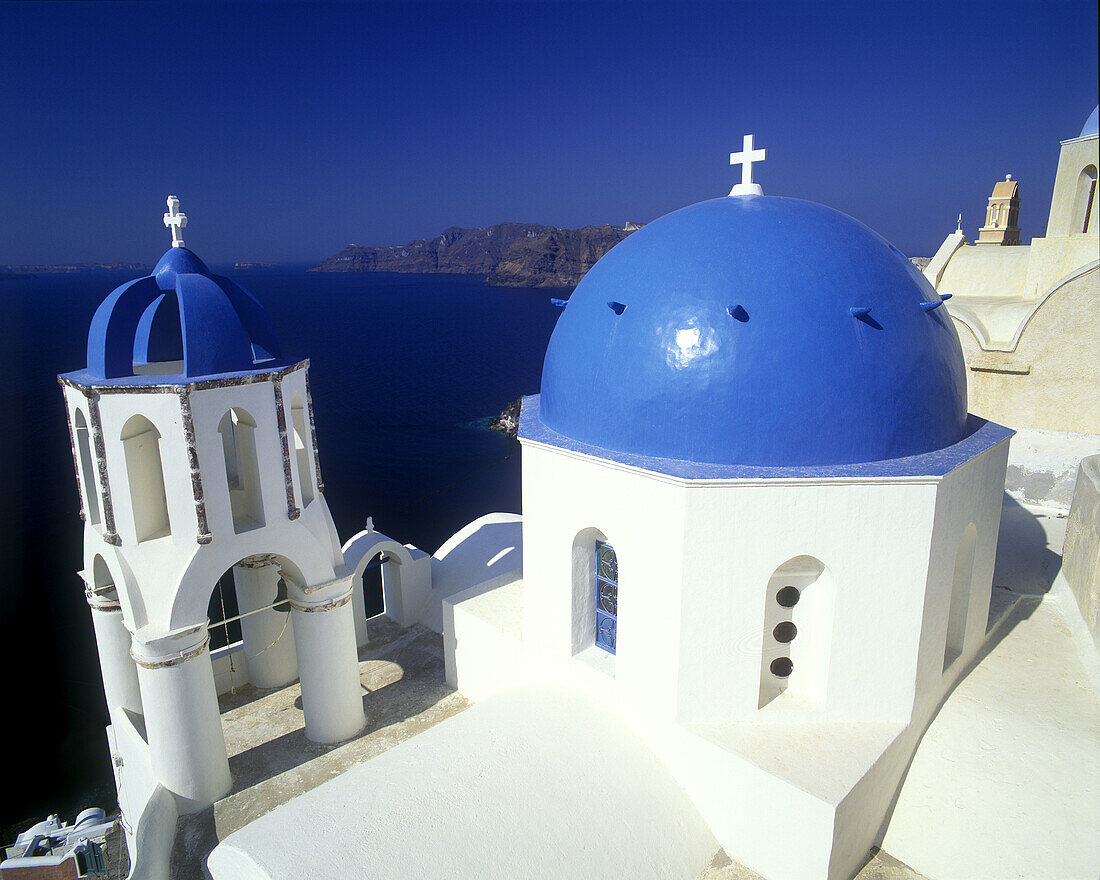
180	321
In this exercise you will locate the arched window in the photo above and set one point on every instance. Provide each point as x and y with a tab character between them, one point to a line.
301	448
960	597
595	600
797	627
145	476
1084	200
87	465
242	470
607	596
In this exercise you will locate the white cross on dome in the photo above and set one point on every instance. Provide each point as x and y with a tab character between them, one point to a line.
745	159
175	221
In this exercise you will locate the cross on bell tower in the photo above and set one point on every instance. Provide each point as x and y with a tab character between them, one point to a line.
745	159
175	221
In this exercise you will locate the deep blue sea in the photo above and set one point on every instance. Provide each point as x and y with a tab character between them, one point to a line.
405	372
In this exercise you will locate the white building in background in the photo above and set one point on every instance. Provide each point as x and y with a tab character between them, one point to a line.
1028	317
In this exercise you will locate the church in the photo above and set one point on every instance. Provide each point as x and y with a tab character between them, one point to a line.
755	556
1026	312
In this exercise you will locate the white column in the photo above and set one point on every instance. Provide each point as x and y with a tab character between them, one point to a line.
182	721
120	679
359	610
268	635
328	665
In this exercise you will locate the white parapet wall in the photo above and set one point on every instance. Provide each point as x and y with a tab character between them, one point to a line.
1081	554
1043	466
406	578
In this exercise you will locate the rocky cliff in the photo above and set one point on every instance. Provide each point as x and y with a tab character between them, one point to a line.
508	254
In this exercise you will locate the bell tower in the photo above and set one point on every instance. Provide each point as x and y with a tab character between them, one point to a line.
196	454
1002	214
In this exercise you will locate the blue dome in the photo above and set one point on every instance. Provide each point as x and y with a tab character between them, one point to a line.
1092	124
180	320
756	330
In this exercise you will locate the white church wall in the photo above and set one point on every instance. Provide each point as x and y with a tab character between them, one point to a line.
641	516
1054	259
969	496
486	553
870	587
967	517
1081	551
986	271
483	647
717	764
1047	378
870	538
1077	156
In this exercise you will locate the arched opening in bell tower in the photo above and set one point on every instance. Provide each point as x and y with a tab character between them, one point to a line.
145	476
103	582
301	448
242	470
251	634
87	474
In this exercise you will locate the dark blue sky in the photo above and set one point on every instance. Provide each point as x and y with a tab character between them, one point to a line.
289	130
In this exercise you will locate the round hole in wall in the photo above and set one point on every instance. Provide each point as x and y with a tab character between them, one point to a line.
782	667
787	596
785	631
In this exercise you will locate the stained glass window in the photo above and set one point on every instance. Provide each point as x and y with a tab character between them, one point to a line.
607	595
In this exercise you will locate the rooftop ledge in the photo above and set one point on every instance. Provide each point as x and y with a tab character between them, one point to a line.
981	435
159	382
